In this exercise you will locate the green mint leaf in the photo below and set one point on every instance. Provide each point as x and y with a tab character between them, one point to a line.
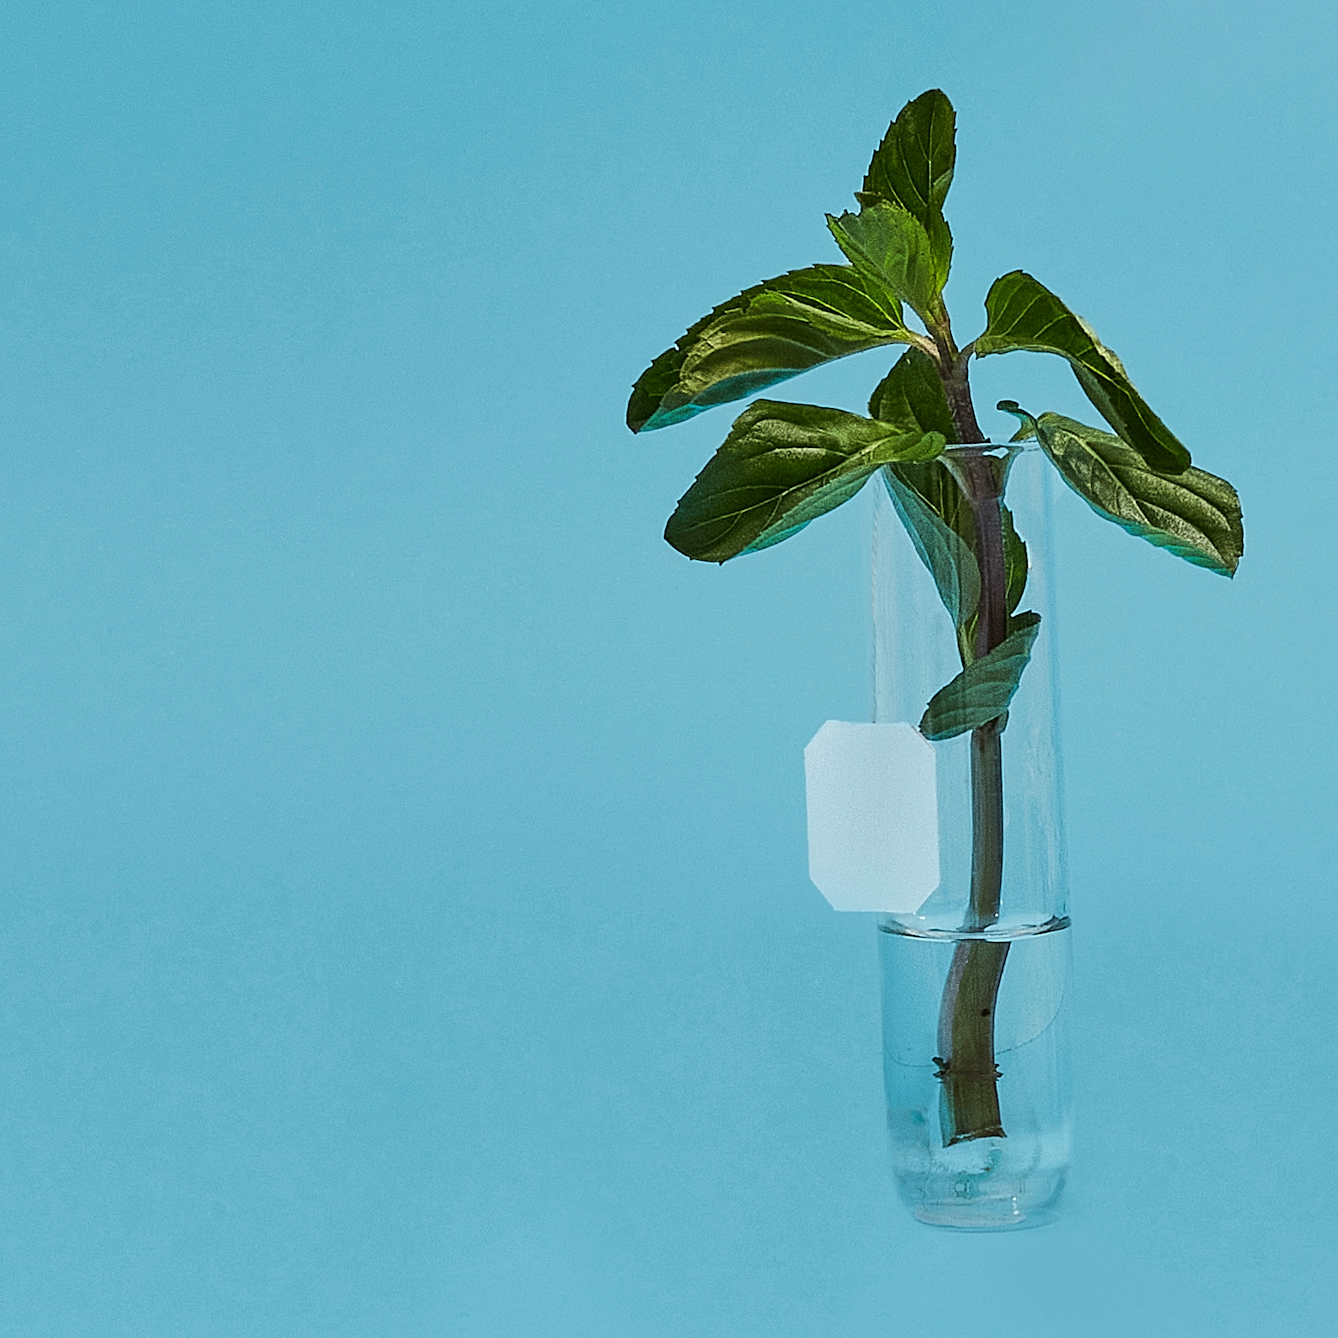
911	395
913	165
1015	560
941	527
1024	314
888	245
913	168
766	334
1194	515
984	689
1015	582
781	466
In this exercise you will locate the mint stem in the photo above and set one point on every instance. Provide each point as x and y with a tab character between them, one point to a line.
969	1105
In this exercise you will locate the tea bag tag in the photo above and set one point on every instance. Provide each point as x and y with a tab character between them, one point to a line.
872	816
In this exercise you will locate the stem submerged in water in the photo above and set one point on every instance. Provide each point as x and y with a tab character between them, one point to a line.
970	1098
969	1102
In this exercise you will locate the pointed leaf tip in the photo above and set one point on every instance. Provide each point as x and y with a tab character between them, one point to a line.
913	166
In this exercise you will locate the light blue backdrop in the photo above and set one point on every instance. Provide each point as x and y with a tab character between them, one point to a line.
404	927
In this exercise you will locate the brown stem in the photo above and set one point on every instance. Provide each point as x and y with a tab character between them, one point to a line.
969	1101
969	1106
958	390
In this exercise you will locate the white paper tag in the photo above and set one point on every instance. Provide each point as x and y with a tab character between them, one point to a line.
872	816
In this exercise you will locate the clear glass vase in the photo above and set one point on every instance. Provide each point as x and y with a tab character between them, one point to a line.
976	981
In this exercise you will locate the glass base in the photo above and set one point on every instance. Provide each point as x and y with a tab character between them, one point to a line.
983	1183
982	1201
960	1220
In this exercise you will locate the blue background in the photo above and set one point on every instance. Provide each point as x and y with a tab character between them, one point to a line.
404	925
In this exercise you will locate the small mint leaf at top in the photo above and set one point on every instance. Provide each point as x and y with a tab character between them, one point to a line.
1194	515
1024	314
913	168
913	165
888	245
781	466
983	690
763	336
